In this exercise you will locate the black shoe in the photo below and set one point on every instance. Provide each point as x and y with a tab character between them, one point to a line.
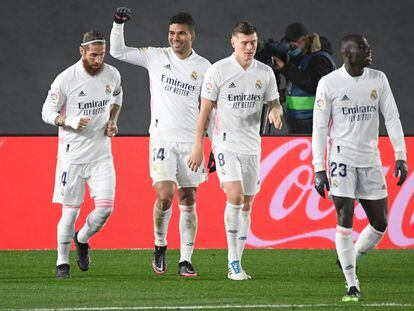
186	269
352	295
83	258
159	261
63	271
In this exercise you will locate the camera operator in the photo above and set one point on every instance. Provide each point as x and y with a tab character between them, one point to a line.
308	60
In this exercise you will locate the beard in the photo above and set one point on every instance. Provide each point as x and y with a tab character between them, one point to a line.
93	71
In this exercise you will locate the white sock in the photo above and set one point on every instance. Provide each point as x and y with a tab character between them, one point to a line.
367	240
188	230
65	232
161	221
96	219
232	222
346	253
244	228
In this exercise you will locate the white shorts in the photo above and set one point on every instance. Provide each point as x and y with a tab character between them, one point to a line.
232	166
168	162
366	183
70	181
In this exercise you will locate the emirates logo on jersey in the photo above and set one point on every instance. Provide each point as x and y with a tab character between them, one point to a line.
194	75
374	94
258	84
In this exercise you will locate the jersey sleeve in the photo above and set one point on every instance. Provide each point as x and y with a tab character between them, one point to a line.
211	84
55	99
118	49
321	117
272	92
389	110
117	94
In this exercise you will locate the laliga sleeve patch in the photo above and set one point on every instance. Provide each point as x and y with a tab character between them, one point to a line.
54	97
209	87
320	105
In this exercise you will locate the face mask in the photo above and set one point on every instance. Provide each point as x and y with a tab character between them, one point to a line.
294	53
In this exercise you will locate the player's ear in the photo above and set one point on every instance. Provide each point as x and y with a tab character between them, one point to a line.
81	51
232	41
193	36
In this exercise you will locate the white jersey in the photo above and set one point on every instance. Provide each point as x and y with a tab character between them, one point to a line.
347	110
174	84
240	95
75	93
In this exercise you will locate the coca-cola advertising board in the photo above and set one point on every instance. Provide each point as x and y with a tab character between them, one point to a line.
287	213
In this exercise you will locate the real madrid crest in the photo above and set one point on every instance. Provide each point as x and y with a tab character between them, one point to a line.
374	94
108	89
194	75
258	84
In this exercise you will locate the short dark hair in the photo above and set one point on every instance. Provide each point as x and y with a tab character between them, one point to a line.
92	35
245	28
183	19
354	37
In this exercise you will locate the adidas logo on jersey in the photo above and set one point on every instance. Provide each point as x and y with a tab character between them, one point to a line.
232	85
81	94
344	98
168	66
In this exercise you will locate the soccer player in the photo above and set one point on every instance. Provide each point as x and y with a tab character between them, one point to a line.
84	101
176	74
347	106
237	87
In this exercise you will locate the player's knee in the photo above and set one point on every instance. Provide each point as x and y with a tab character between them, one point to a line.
380	225
235	198
345	218
187	197
165	200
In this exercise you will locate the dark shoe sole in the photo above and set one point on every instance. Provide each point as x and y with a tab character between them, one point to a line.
154	268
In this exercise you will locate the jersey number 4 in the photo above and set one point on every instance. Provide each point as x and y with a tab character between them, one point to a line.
64	177
158	154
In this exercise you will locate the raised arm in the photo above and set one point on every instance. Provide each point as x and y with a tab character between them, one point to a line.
118	49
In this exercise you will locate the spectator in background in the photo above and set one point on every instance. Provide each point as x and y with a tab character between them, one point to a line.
308	60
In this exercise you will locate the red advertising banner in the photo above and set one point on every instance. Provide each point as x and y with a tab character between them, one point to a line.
287	213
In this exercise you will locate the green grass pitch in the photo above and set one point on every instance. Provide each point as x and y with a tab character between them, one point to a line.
282	279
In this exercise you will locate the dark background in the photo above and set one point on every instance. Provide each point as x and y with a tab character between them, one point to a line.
39	39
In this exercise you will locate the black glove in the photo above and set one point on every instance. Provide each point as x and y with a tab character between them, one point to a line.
211	163
401	169
321	181
122	15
